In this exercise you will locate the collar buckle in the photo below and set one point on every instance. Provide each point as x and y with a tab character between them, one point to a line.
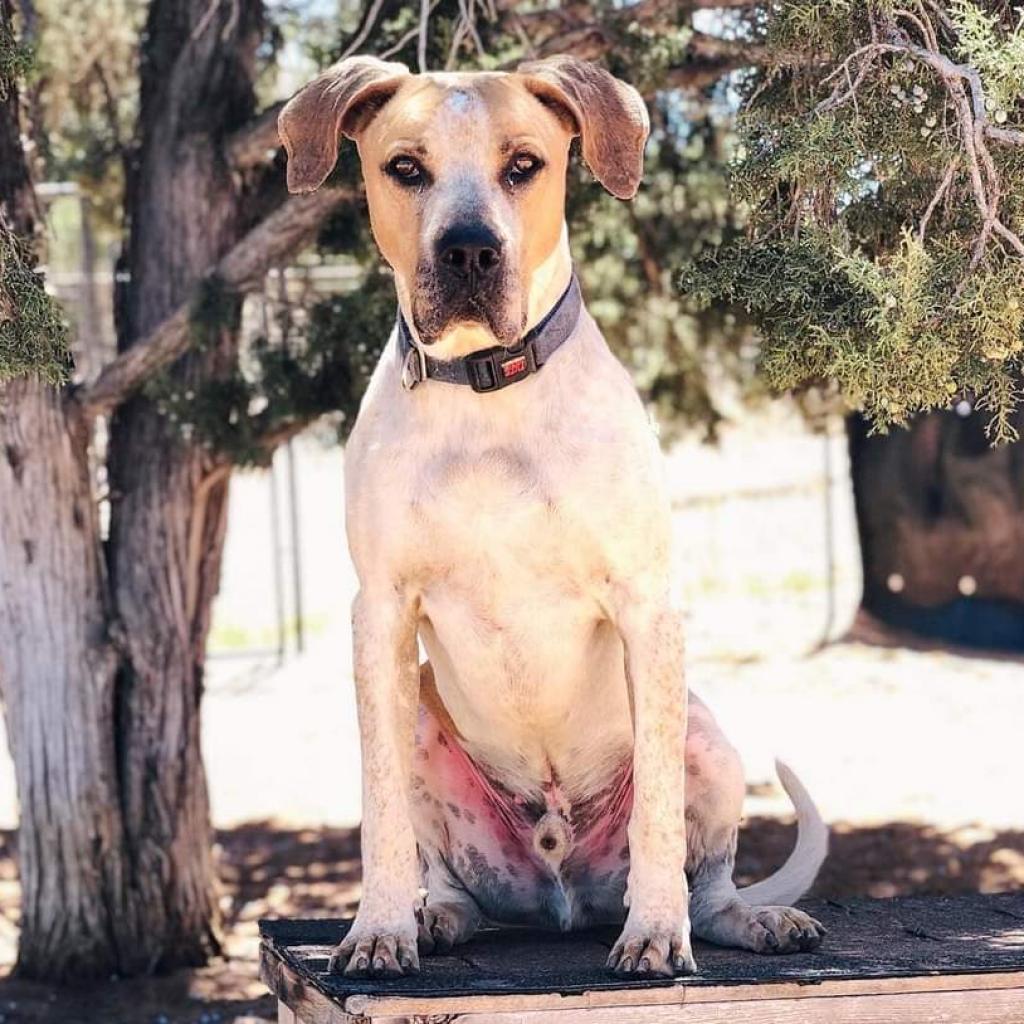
414	367
495	368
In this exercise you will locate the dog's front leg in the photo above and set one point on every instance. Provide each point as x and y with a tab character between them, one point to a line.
656	936
383	937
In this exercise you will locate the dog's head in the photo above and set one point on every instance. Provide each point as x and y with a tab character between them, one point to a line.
465	178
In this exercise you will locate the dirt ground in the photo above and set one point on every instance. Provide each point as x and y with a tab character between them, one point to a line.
913	756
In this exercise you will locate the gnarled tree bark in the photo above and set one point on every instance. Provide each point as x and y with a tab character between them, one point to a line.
57	663
170	496
101	641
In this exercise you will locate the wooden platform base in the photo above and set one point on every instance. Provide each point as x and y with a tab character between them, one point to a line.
928	960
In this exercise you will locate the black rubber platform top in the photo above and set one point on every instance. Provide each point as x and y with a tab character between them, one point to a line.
866	939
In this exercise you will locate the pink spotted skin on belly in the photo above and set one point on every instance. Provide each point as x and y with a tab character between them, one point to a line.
546	861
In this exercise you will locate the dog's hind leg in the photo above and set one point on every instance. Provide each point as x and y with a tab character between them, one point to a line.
719	912
450	915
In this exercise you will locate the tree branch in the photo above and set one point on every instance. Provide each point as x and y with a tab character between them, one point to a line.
242	269
644	7
940	193
1009	136
578	33
707	57
966	93
739	52
255	143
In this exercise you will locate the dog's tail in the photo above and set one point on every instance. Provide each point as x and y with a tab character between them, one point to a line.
795	877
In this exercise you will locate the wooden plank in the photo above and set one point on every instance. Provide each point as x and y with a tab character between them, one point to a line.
298	995
1001	1007
386	1007
867	939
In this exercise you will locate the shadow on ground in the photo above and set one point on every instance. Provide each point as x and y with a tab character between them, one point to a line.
270	871
892	859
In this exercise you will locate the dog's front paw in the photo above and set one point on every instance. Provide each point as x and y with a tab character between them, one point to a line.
663	950
371	951
783	930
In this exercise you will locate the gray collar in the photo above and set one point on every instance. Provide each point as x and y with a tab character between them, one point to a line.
495	368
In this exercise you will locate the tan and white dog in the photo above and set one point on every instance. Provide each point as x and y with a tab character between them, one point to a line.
533	771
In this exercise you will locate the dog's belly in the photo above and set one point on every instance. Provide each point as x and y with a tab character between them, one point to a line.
546	855
548	859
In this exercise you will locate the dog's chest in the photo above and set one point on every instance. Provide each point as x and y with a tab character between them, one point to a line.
552	482
480	498
514	514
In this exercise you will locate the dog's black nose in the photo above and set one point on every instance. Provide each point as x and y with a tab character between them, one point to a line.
469	251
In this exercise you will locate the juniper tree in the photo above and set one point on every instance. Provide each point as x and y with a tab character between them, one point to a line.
882	170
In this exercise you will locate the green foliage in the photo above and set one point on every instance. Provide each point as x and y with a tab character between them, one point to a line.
989	43
625	252
214	310
33	334
643	55
284	382
868	265
88	59
16	61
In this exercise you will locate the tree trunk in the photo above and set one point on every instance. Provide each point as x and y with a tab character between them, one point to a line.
56	662
940	514
101	657
57	674
170	495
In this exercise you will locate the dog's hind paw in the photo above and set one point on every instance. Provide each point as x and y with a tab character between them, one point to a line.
652	952
443	925
783	930
369	953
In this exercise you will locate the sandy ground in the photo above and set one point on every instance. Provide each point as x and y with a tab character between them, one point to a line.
914	757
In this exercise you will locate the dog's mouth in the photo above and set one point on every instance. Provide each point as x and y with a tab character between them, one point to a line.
437	315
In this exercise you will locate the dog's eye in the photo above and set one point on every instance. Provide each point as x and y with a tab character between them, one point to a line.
405	170
523	167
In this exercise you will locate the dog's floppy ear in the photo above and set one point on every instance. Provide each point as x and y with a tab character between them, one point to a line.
339	101
609	116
